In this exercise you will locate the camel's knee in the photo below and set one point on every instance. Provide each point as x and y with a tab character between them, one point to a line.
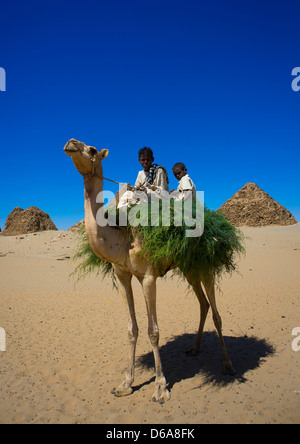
133	334
154	337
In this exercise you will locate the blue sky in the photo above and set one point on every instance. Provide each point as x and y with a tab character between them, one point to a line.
207	83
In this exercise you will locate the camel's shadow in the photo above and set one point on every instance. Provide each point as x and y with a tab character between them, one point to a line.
247	353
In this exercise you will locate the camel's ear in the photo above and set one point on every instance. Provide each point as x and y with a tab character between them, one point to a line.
103	154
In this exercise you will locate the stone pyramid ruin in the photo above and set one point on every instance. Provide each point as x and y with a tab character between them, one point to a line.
31	220
252	207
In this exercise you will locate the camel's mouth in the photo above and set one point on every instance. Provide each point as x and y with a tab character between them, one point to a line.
71	148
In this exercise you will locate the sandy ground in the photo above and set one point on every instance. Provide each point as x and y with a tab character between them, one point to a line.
66	345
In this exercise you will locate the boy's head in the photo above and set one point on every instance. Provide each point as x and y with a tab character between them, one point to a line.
146	158
179	170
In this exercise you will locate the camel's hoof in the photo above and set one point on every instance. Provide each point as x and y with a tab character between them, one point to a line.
161	395
122	392
161	400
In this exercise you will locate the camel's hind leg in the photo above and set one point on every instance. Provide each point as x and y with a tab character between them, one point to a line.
204	307
210	292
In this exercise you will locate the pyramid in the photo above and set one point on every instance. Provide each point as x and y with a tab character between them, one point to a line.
252	207
31	220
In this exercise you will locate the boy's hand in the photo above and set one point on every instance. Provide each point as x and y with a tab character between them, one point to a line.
140	188
152	187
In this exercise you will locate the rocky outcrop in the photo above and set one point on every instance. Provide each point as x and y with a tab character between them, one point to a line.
31	220
252	207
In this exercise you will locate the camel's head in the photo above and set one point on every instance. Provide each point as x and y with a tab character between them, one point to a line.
87	159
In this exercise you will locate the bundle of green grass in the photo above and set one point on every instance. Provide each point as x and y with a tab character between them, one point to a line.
211	254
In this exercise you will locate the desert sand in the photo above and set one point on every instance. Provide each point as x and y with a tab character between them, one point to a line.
66	343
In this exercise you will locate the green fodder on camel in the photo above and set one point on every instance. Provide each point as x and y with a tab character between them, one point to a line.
211	254
90	263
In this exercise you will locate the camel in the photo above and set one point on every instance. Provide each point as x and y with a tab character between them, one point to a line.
116	246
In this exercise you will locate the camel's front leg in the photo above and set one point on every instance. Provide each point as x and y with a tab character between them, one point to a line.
161	393
124	281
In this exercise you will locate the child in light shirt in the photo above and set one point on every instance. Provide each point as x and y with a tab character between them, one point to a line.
152	182
153	176
186	187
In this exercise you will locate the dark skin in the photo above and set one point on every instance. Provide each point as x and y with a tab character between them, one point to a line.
146	161
179	173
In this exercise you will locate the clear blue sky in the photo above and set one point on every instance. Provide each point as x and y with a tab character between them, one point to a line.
207	83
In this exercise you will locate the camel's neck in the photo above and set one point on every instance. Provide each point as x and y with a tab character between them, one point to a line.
100	237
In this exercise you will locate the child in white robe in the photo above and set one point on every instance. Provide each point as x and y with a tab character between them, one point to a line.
186	187
152	181
153	176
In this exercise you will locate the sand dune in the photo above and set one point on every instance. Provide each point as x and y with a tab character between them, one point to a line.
66	345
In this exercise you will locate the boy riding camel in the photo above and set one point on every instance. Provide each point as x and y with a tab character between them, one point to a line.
151	181
153	176
186	187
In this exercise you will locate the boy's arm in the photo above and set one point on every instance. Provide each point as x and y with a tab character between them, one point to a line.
187	194
139	183
186	184
186	189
